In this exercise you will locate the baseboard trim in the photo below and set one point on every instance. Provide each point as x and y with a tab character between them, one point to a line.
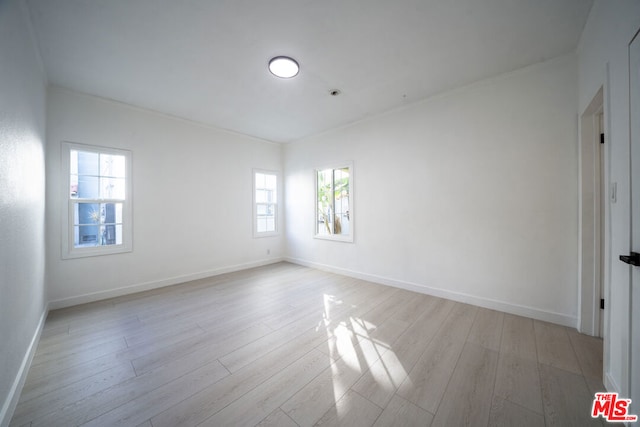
11	401
520	310
155	284
611	385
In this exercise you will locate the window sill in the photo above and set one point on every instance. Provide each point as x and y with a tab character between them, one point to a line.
94	251
336	238
266	234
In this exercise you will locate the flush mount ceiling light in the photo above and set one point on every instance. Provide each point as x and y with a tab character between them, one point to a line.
284	67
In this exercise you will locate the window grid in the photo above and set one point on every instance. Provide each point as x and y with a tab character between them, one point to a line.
265	203
333	196
98	206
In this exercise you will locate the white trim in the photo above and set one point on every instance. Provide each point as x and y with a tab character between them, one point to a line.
254	214
68	251
335	237
10	403
154	284
590	221
519	310
611	385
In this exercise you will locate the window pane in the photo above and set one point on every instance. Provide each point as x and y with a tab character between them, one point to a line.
265	224
87	214
261	196
88	187
265	210
102	235
271	223
88	163
112	165
325	201
94	175
108	234
86	235
265	202
111	213
260	180
270	182
341	194
97	224
333	200
112	188
97	213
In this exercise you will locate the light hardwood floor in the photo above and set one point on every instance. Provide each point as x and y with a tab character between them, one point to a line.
287	345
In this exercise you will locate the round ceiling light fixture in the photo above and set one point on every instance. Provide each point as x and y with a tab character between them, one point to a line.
284	67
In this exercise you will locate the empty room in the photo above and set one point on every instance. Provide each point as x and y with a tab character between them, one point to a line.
298	213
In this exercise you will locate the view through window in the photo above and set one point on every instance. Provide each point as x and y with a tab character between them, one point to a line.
265	203
333	198
98	206
97	189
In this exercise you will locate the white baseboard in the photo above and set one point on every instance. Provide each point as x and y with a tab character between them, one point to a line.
125	290
611	385
9	405
520	310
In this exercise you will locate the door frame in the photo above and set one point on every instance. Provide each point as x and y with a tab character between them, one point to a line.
593	252
634	177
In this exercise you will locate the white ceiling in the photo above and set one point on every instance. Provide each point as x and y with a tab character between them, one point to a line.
206	60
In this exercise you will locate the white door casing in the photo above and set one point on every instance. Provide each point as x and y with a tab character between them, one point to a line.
634	309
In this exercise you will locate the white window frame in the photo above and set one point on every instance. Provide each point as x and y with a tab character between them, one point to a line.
276	232
69	251
336	237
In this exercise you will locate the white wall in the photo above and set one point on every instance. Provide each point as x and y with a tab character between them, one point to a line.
603	62
192	198
471	195
22	199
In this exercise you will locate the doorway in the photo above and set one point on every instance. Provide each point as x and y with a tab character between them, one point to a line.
592	217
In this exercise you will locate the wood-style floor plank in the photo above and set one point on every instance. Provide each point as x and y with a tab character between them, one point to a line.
507	414
518	337
430	376
487	329
63	396
467	400
141	408
254	406
351	410
380	383
518	381
554	347
587	350
402	413
289	345
277	419
566	398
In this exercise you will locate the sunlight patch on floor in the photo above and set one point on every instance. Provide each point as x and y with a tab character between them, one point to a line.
356	352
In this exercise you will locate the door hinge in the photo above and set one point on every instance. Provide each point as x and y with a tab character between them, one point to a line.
601	303
602	138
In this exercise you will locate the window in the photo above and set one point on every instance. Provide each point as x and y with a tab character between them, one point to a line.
97	195
265	203
334	214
